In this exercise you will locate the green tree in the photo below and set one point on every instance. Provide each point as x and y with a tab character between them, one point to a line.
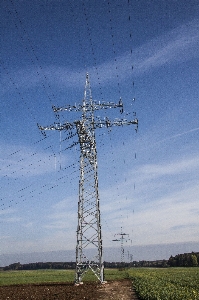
194	261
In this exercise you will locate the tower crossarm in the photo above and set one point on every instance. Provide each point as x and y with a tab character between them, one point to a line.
117	122
58	126
98	123
95	105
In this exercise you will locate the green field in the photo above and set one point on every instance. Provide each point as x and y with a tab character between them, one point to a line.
150	284
35	276
166	284
42	276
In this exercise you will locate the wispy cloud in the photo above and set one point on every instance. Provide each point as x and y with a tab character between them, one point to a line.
178	45
177	167
11	219
154	222
165	198
175	136
7	211
62	215
148	216
26	161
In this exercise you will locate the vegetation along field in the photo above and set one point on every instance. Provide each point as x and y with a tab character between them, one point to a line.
149	283
166	284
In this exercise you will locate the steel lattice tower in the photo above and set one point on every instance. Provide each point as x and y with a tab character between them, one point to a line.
89	227
89	238
123	237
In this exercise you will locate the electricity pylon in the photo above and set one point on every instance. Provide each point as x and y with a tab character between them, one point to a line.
89	238
123	237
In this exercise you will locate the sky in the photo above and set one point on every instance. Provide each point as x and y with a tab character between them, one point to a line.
145	52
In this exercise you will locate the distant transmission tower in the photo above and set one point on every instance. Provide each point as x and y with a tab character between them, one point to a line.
89	238
122	239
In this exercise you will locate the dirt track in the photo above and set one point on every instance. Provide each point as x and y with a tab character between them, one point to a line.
116	290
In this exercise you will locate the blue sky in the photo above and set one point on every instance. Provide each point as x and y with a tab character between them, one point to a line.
148	181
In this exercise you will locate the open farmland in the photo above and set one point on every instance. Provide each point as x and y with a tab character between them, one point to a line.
166	284
59	285
53	276
156	284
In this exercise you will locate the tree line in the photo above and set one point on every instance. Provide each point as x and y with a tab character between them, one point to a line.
184	260
180	260
41	265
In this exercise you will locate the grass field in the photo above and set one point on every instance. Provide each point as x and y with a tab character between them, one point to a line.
150	284
44	276
35	276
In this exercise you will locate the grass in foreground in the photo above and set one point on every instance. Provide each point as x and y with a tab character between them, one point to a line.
166	284
150	284
35	276
47	276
